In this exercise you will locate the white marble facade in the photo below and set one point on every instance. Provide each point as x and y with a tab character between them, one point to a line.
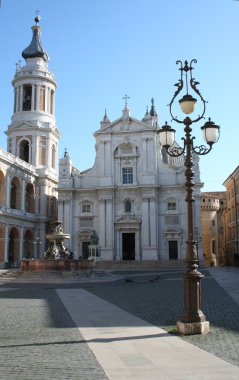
133	196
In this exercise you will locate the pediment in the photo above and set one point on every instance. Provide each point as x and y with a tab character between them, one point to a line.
127	219
125	125
21	126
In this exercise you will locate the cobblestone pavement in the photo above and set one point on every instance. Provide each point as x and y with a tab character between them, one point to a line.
38	339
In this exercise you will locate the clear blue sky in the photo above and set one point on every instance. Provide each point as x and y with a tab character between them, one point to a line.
102	49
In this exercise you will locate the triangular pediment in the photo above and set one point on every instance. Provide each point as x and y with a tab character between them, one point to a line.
127	219
21	125
26	126
130	125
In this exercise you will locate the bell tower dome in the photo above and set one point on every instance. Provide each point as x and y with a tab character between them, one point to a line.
32	134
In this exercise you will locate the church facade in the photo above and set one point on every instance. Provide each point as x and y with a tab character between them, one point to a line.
133	196
132	199
29	167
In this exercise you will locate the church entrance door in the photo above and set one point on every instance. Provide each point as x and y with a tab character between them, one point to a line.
128	246
173	249
85	249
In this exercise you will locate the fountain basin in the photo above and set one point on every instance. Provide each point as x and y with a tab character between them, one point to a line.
56	265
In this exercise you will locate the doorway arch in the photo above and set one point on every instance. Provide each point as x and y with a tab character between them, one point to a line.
28	247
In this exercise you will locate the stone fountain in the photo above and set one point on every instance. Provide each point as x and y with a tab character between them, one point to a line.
57	258
56	237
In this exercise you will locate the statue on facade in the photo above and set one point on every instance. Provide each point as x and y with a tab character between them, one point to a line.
94	239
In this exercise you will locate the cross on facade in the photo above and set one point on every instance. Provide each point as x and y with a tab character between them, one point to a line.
126	97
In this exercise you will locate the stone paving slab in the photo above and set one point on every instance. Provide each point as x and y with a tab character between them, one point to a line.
128	347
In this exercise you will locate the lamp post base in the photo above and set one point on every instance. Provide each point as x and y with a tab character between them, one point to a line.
186	328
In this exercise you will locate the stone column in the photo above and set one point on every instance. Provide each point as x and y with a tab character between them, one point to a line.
6	242
145	222
23	200
21	98
38	98
21	244
102	216
33	97
8	190
153	224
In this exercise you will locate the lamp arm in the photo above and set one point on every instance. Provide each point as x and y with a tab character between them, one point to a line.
176	151
201	150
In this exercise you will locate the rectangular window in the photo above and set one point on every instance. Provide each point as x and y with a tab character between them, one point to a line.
86	208
27	97
127	175
172	206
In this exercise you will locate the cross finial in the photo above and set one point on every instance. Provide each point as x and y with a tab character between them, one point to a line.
126	97
38	17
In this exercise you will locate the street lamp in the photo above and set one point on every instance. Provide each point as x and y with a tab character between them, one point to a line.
193	320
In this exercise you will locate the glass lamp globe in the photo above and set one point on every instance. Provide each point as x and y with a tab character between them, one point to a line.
187	104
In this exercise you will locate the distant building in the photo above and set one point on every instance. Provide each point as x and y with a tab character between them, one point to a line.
28	170
232	218
213	234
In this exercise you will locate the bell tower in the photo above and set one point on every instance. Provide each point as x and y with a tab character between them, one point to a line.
32	134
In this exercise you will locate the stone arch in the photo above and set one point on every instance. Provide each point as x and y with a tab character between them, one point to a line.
15	196
28	247
30	198
13	247
2	189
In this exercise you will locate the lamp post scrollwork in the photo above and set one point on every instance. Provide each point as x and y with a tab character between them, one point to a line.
193	320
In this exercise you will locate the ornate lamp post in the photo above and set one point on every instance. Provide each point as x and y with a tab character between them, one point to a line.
193	320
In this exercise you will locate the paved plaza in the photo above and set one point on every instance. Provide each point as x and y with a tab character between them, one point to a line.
115	325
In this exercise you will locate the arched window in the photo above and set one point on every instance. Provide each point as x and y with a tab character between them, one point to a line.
30	200
15	201
24	150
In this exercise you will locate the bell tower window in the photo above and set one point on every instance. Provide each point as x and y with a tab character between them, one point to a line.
27	97
24	150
